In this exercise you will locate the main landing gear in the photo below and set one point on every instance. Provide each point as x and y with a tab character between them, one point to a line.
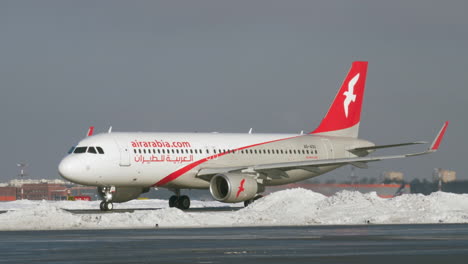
178	201
246	203
106	204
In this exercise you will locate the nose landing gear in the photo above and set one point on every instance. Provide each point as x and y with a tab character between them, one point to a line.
106	204
178	201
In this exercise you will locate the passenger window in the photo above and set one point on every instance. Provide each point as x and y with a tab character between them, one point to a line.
134	151
100	150
80	150
92	150
139	151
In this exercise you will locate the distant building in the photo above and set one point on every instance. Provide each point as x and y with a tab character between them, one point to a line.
19	183
43	190
444	176
7	193
393	176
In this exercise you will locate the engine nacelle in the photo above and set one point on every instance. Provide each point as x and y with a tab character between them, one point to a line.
234	187
124	194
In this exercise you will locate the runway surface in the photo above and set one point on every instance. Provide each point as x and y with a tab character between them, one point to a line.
435	243
191	210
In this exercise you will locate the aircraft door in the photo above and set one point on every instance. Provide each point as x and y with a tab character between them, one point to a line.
124	156
124	152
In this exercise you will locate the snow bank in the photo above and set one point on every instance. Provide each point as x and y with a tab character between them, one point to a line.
288	207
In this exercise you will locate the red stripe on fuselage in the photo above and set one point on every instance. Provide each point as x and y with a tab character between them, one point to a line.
176	174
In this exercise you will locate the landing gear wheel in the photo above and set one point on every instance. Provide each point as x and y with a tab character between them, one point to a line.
246	203
109	206
106	206
183	203
173	201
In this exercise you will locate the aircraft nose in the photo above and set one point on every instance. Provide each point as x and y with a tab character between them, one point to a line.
68	169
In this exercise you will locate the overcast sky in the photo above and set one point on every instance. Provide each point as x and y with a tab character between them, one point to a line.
184	66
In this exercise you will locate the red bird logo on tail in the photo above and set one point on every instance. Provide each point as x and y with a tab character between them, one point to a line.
241	188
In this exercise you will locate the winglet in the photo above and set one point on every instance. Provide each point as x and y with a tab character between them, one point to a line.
90	131
438	139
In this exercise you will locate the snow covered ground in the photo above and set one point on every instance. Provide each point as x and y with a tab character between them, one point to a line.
288	207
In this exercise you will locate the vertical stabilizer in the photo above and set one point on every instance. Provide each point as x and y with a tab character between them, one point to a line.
344	115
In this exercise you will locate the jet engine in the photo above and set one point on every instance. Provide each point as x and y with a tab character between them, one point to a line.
234	187
124	194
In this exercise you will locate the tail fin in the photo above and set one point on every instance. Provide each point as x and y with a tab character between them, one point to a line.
344	114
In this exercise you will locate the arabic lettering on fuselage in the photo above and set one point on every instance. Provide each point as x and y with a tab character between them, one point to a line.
163	158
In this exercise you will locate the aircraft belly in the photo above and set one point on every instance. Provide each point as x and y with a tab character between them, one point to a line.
300	175
189	181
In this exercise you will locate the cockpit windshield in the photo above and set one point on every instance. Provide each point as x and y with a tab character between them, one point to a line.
80	150
71	150
100	150
91	149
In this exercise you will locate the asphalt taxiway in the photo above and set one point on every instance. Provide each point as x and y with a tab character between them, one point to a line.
435	243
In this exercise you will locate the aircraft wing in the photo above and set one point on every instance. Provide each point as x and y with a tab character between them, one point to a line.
312	165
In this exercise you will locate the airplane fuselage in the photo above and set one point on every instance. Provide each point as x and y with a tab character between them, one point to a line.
151	159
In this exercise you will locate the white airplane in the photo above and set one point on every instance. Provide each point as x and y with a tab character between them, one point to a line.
235	167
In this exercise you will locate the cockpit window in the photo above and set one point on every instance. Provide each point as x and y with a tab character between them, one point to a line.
100	150
80	150
92	150
71	150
